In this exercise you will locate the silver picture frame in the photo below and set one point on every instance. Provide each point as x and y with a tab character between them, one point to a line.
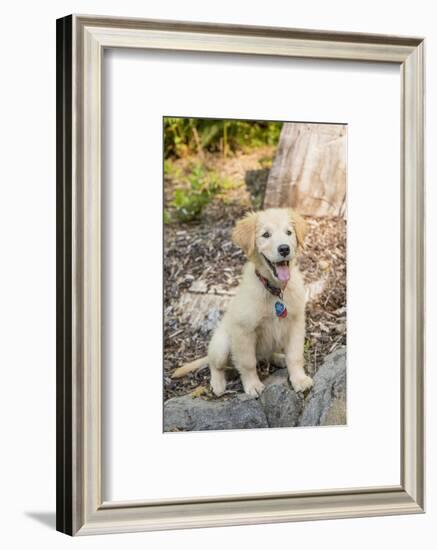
81	41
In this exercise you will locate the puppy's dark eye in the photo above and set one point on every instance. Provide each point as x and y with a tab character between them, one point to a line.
288	232
266	234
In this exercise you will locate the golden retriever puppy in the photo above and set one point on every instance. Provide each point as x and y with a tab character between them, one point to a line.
266	317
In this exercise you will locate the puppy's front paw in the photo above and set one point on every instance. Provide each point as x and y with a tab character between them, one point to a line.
218	386
254	388
301	382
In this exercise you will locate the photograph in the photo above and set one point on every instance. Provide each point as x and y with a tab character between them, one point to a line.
254	274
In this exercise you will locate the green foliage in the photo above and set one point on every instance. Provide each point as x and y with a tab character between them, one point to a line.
184	136
265	162
172	171
200	187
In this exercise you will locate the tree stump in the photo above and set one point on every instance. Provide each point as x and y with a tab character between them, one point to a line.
309	170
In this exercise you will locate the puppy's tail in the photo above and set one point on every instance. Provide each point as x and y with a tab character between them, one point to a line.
189	367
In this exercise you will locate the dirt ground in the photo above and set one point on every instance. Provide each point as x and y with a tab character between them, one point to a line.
201	264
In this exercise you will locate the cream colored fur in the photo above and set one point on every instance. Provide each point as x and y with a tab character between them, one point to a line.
250	329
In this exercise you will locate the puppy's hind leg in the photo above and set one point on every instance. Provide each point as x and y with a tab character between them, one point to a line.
218	356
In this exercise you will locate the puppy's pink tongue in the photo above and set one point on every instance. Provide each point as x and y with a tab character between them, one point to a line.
283	272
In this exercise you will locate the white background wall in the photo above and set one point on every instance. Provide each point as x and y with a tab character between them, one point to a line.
27	272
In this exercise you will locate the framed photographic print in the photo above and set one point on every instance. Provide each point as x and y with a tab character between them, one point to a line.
240	263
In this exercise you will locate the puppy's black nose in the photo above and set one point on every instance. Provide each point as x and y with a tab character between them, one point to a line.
284	250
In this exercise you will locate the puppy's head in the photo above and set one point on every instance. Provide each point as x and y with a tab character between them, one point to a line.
270	238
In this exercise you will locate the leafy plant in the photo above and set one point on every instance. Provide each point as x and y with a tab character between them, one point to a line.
265	162
200	187
170	170
184	136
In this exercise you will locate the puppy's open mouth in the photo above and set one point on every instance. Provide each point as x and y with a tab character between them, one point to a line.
281	270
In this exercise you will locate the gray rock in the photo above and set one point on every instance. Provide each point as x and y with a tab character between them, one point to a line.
188	414
326	403
282	406
278	406
202	311
211	321
336	413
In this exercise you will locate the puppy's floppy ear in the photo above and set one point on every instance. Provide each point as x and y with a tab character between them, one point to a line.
244	233
300	226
